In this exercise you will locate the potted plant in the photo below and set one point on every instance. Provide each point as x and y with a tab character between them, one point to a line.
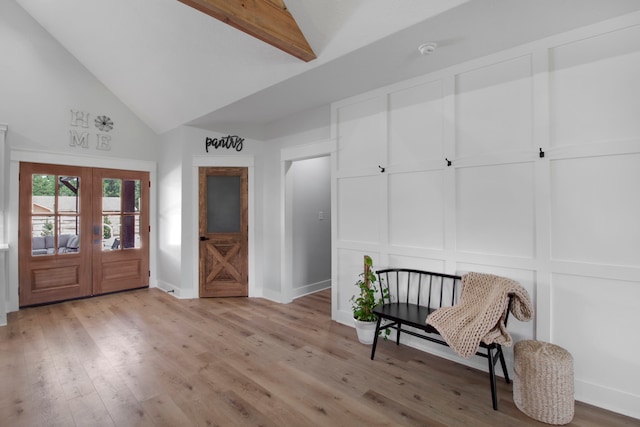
364	302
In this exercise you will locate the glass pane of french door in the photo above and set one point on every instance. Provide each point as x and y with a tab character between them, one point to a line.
120	214
55	214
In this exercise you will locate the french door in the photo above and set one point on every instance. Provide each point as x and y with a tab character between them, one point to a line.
82	231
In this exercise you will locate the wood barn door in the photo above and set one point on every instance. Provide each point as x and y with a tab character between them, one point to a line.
82	232
223	230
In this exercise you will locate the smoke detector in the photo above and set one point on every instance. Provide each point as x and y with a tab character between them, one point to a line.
427	48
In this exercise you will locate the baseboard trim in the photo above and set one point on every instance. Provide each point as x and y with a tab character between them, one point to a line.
310	289
174	290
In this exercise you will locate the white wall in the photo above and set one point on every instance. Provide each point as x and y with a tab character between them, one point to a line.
183	151
302	136
40	83
565	225
170	210
311	224
4	247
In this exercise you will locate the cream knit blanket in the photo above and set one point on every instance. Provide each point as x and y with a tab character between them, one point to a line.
480	314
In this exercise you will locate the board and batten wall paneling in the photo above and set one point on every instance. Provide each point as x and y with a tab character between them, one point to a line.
597	319
595	215
415	176
565	225
416	210
595	89
416	124
361	136
420	263
494	108
495	210
359	210
360	193
594	97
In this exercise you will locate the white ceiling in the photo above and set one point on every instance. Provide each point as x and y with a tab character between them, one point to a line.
173	65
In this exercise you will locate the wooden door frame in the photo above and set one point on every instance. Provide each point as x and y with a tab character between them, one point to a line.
222	161
223	255
17	156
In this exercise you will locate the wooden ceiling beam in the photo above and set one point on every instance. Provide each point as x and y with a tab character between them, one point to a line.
267	20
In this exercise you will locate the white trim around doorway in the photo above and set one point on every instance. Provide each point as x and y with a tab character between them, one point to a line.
288	155
222	161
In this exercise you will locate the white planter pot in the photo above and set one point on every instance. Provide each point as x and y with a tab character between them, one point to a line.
366	331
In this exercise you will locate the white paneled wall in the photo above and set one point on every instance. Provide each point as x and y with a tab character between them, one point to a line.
494	210
359	210
423	210
566	225
362	134
592	220
413	141
594	88
494	108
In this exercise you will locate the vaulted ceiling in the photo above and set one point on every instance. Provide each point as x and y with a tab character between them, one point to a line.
267	20
174	65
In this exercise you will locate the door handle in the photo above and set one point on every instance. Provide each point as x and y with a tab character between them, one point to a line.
96	229
203	238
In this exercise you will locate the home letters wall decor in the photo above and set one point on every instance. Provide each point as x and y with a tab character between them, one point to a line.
81	139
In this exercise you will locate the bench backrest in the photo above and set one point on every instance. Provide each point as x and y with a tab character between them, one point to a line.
419	287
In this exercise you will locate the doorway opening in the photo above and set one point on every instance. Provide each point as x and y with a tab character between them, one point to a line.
308	226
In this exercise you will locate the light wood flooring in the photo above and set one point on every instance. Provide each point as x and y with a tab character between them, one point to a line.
145	358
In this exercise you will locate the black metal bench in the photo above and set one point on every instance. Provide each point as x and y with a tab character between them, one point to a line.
412	296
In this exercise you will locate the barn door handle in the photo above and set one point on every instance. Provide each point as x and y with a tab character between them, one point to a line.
203	238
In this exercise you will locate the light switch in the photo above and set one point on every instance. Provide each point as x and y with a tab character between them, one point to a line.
320	215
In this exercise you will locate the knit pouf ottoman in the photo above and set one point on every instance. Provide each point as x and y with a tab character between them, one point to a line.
543	381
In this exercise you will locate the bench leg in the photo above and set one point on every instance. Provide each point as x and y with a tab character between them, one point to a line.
492	379
504	365
375	338
398	330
